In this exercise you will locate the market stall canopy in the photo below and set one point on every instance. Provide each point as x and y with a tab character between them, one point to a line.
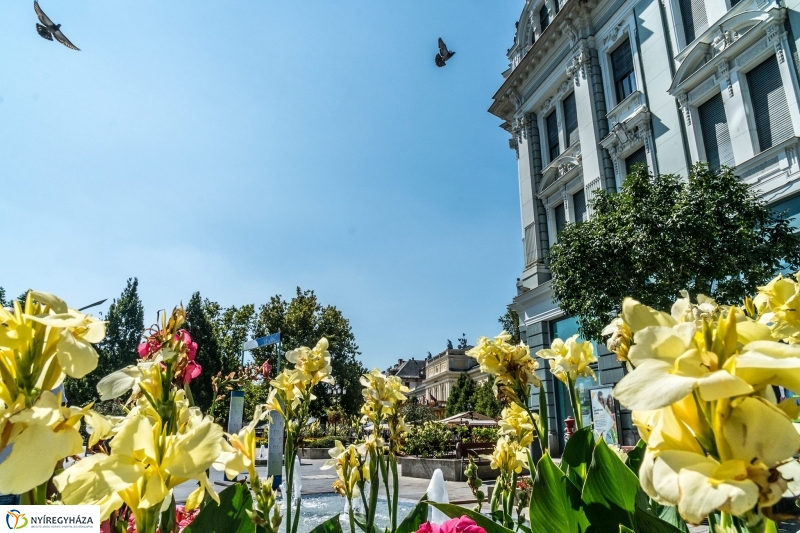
470	418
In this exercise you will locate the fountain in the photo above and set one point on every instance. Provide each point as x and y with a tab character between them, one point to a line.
437	492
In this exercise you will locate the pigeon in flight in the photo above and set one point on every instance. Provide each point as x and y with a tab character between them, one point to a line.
444	54
47	29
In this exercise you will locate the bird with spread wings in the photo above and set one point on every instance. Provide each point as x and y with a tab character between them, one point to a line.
443	55
47	29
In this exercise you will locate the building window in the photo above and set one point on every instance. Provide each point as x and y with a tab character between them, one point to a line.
570	119
693	15
556	6
530	244
636	158
561	217
714	129
552	135
579	205
544	18
770	109
622	68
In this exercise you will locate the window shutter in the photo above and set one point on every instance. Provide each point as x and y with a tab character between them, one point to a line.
530	244
552	135
639	156
770	109
693	14
570	119
544	18
622	70
716	136
579	205
560	216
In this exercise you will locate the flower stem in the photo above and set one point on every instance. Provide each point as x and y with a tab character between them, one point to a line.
576	406
395	491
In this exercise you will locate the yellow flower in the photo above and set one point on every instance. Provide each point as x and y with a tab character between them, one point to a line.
40	436
382	395
153	463
76	335
314	364
512	366
778	304
351	467
756	469
239	453
517	424
508	456
620	338
570	359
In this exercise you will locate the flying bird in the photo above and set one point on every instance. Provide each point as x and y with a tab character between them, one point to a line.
443	55
47	29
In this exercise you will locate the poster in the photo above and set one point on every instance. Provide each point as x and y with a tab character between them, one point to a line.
604	414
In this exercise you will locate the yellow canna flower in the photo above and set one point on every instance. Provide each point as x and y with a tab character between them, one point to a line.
620	338
351	467
240	454
516	423
313	364
512	366
508	456
778	304
570	359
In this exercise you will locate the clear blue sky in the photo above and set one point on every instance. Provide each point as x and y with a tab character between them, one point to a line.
245	148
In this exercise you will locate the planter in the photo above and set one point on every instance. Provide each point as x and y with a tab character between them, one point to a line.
314	453
453	469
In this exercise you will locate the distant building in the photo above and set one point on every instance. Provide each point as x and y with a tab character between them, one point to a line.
411	372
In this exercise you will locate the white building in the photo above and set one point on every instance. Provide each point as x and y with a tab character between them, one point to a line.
595	86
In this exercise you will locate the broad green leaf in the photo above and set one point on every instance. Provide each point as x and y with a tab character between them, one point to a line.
556	505
636	456
230	516
623	529
670	515
331	525
415	518
454	511
647	523
609	493
361	522
578	454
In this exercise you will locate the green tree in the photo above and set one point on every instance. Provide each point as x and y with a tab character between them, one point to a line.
460	399
124	328
484	401
233	326
302	322
200	325
709	234
415	413
3	301
510	323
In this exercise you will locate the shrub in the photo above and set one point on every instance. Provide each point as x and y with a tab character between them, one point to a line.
484	434
429	440
324	442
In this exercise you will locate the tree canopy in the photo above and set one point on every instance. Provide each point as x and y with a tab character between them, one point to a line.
460	398
484	401
125	324
510	323
710	234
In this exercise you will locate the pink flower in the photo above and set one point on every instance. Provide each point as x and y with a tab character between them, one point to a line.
463	524
191	371
184	337
148	348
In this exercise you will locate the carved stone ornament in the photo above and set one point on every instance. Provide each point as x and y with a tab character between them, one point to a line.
611	37
724	72
546	105
774	37
579	66
683	101
514	145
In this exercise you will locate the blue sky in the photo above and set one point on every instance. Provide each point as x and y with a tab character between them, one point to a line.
245	148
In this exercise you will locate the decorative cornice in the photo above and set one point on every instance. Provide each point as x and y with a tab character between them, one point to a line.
579	66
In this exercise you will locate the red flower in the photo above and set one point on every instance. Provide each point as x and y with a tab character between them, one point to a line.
463	524
184	337
148	348
191	371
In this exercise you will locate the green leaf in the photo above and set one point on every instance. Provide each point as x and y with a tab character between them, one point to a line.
636	456
556	504
230	516
609	493
578	454
647	523
670	515
331	525
454	511
623	529
415	518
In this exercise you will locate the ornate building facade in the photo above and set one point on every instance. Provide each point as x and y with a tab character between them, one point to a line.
596	86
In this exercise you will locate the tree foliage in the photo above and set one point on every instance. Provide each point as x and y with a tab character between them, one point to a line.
484	401
302	321
3	301
510	323
124	328
709	234
200	316
460	398
415	413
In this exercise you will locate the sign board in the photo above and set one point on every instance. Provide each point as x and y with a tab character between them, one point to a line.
275	450
604	415
236	412
260	342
